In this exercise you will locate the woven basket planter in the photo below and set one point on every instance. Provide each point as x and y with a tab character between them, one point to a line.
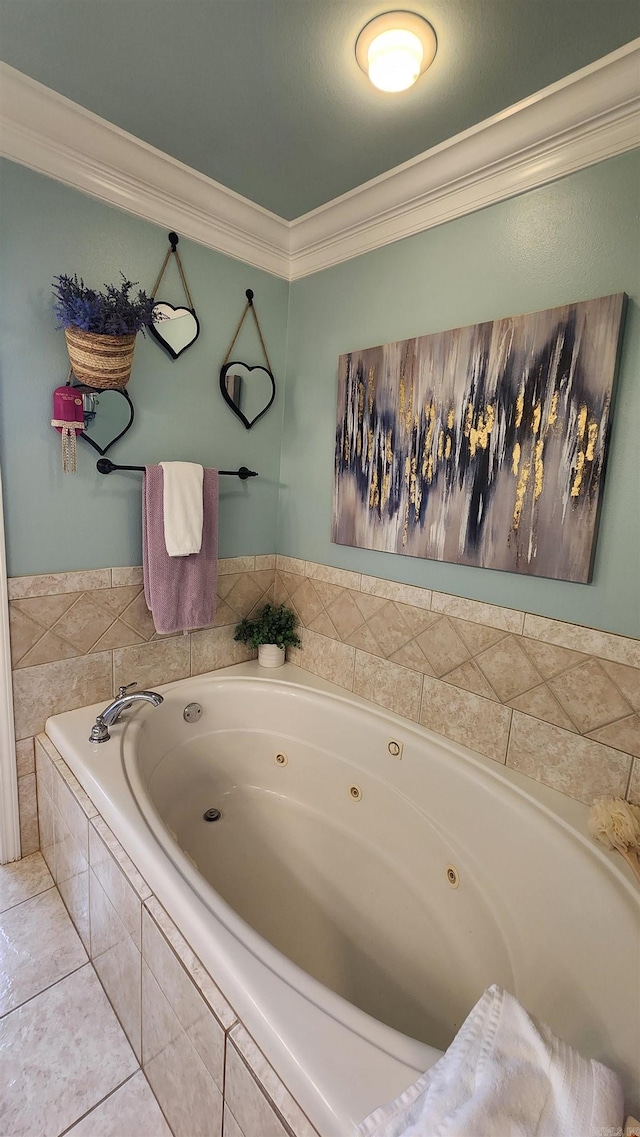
100	361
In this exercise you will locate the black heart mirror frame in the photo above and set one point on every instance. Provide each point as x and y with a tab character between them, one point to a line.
115	391
227	397
156	328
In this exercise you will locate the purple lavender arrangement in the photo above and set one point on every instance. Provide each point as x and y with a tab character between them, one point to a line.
113	312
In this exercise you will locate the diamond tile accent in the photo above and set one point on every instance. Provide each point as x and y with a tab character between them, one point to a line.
470	678
541	703
443	647
49	649
24	634
508	668
306	602
345	615
390	627
622	735
83	623
589	697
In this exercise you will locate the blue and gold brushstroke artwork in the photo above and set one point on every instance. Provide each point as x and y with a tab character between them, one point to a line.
483	445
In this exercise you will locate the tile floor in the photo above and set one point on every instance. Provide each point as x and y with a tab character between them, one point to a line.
66	1066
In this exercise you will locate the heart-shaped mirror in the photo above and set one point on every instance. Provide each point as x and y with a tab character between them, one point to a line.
110	417
249	391
174	328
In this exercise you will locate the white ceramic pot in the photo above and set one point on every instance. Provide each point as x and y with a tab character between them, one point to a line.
270	655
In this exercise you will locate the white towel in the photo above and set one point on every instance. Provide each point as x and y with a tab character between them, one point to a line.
182	506
504	1076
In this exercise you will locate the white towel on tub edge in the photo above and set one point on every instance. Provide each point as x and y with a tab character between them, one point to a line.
504	1075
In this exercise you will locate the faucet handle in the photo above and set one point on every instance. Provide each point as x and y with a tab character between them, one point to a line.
123	690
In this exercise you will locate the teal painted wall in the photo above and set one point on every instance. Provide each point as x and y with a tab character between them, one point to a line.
56	522
572	240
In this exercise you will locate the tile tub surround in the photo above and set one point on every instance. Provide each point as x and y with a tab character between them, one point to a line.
559	702
76	636
178	1022
67	1064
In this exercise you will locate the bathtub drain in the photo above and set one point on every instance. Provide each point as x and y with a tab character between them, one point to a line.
212	814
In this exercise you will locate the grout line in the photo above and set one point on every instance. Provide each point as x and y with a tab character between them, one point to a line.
54	983
631	766
33	896
100	1102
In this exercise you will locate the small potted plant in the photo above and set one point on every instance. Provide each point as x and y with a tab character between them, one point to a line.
100	328
271	631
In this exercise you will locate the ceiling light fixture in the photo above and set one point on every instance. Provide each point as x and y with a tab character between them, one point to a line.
395	48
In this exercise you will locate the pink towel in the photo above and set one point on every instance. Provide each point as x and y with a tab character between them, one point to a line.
180	591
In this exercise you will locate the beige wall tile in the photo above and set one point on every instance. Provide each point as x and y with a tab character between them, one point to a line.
291	565
549	659
576	766
194	1015
478	637
617	649
323	625
393	590
28	811
151	664
50	583
634	783
342	577
306	602
230	1127
49	649
344	614
271	1084
186	1092
364	639
588	696
245	595
541	704
466	718
46	826
623	735
391	627
123	897
117	961
138	617
507	668
124	862
265	561
115	600
477	612
118	635
212	994
24	634
251	1108
470	678
388	684
328	658
409	655
47	610
235	564
62	686
443	646
129	574
44	766
25	757
215	648
627	679
83	623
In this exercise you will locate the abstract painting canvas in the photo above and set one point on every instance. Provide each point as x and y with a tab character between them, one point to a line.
483	445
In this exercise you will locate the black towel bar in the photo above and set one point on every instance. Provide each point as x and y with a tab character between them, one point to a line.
106	466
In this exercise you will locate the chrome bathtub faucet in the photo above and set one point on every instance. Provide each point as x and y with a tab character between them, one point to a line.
111	714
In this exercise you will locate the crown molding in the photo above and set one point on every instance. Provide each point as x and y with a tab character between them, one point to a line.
590	115
585	118
51	134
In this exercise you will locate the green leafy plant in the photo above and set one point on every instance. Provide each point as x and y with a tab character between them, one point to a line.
272	625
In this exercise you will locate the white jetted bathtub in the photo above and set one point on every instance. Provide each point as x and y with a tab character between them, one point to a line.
365	882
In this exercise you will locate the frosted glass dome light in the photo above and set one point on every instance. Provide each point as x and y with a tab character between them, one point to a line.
394	49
